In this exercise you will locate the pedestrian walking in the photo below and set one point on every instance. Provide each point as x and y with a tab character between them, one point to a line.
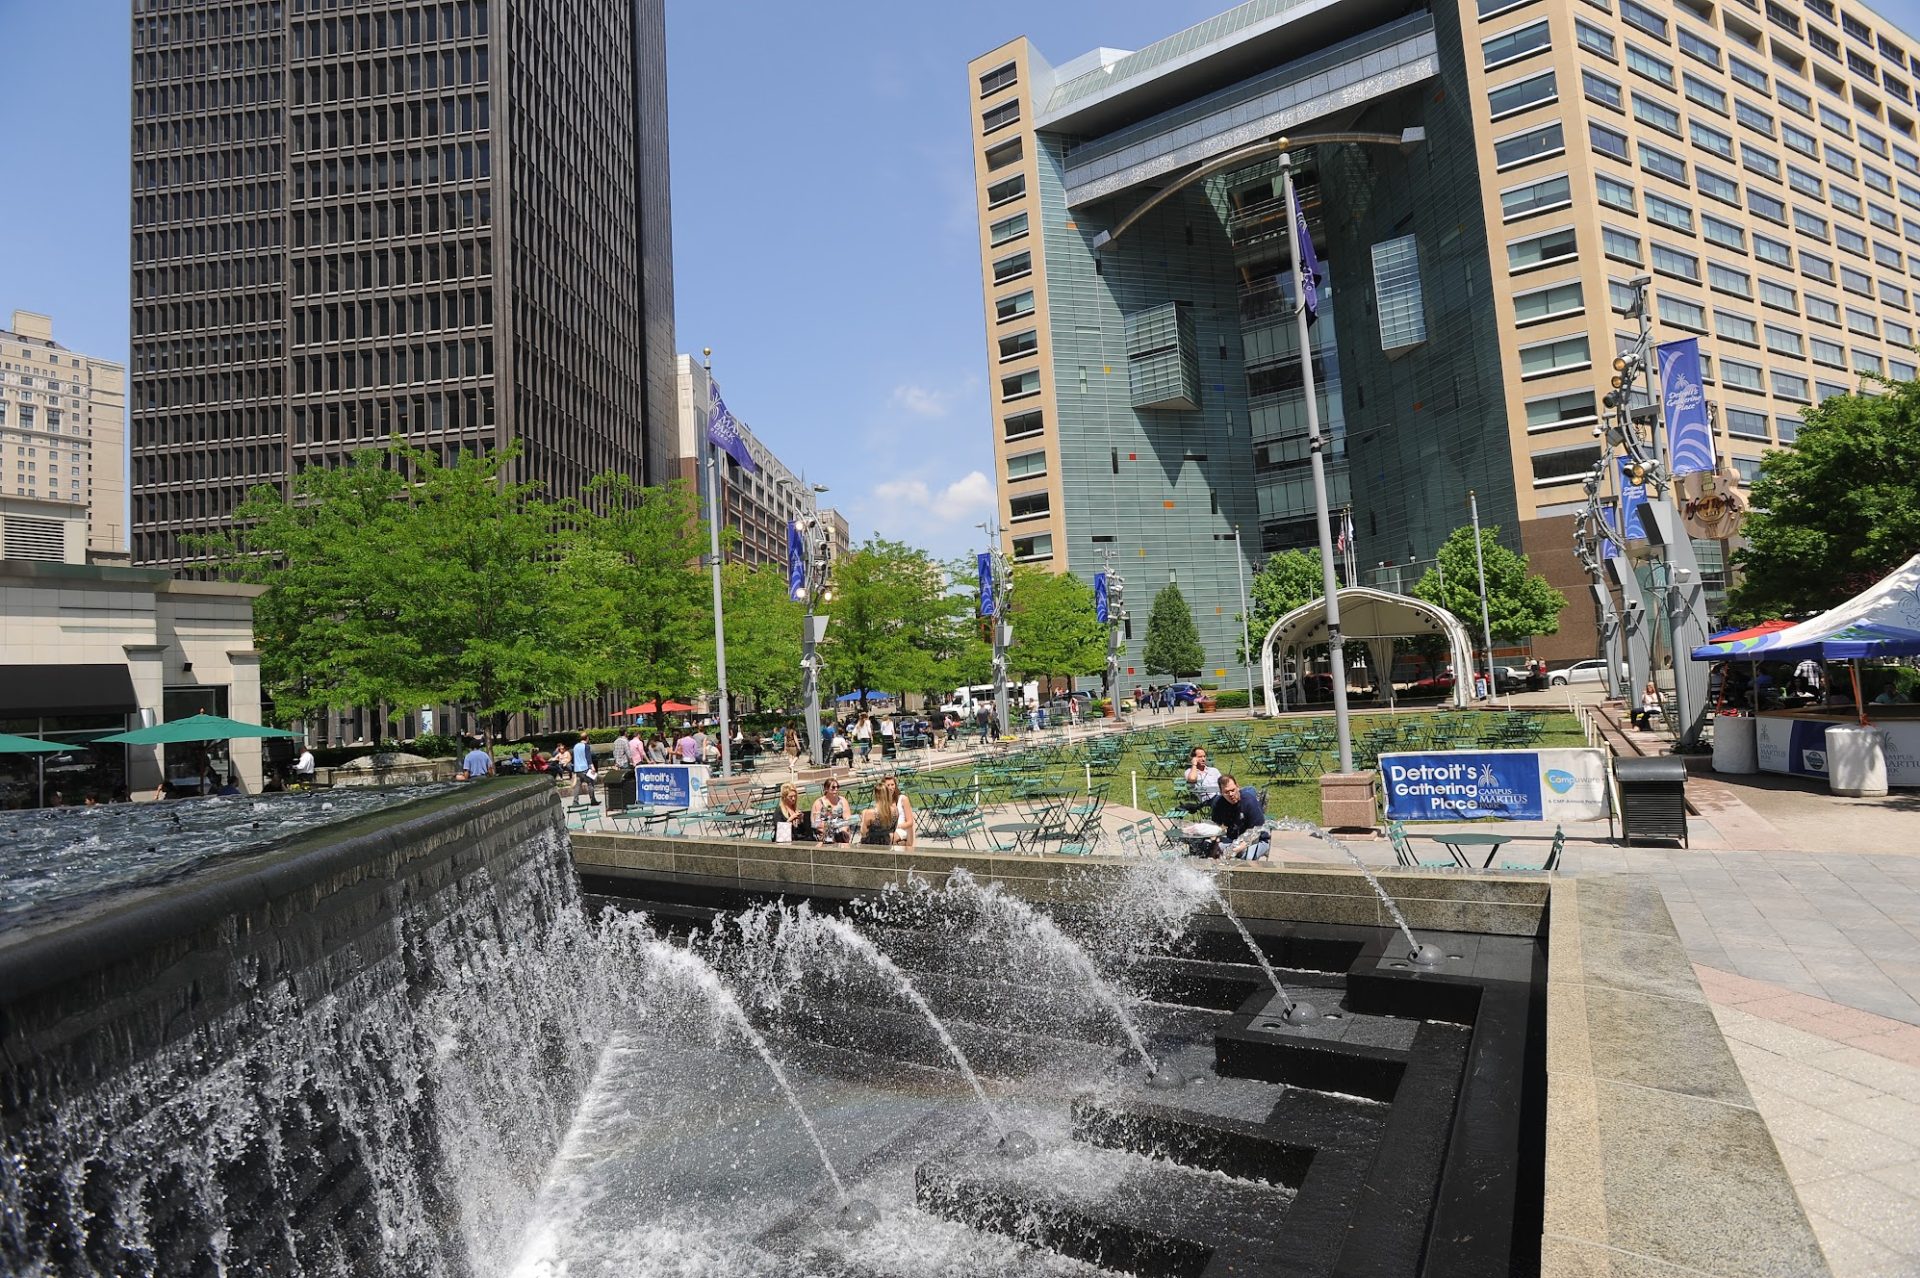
887	730
863	733
583	773
622	757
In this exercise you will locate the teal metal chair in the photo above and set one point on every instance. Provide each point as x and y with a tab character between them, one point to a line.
1547	866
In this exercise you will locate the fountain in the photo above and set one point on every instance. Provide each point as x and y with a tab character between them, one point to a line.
1295	1012
1422	955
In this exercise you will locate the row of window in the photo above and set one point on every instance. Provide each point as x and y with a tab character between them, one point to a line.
394	170
396	122
316	84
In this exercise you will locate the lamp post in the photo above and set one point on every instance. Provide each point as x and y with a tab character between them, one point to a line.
1000	578
1480	566
1316	446
818	587
714	516
1246	612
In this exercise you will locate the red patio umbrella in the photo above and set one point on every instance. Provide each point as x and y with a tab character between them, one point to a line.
672	707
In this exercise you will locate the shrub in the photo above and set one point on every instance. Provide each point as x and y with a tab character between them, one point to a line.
434	745
1230	699
603	736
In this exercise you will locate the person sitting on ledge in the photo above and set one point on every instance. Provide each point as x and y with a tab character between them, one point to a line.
832	815
890	819
798	820
1242	821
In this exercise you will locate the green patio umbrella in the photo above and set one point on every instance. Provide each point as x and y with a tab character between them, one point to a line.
199	727
10	744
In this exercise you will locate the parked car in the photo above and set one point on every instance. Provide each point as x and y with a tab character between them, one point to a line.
1185	694
1594	672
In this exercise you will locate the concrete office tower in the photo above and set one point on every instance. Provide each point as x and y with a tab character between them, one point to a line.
1754	159
444	222
62	442
757	506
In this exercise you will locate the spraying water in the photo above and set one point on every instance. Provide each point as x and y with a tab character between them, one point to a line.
1297	1012
1047	933
1424	955
691	969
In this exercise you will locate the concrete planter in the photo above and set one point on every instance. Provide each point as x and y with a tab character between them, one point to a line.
1347	800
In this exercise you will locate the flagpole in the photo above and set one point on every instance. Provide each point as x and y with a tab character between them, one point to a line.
714	516
1316	446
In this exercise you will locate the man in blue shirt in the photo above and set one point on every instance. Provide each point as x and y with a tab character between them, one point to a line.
1242	821
478	762
583	769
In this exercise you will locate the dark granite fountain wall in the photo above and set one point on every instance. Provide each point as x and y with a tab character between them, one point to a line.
350	1054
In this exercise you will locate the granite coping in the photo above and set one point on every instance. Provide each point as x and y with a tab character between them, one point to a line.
1657	1161
1303	892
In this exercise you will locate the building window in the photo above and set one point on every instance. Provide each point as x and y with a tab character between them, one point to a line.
1748	74
1657	114
1866	362
1683	314
1542	250
1511	46
1523	95
1011	228
1672	261
1816	267
1735	328
1701	50
1608	141
1563	355
1762	205
1738	375
1785	341
1601	90
1014	345
1029	549
1800	140
1862	323
1535	197
1788	427
1012	267
1006	153
1397	288
1701	93
1013	307
1534	144
999	117
1669	213
1621	247
1753	117
1746	424
1825	312
1024	425
1663	163
1020	385
999	78
1710	139
1770	250
1553	412
1722	232
1029	506
1553	302
1614	194
1725	279
1790	386
1011	189
1594	39
1645	64
1563	465
1027	465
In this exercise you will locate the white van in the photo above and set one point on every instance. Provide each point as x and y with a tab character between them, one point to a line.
966	701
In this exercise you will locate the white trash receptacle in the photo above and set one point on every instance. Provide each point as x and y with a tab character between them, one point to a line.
1736	746
1856	761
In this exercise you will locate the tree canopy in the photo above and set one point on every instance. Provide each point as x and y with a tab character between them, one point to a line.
1056	634
895	624
1287	580
1836	512
1520	603
763	634
1173	640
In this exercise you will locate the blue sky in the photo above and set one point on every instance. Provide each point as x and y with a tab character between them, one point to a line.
824	237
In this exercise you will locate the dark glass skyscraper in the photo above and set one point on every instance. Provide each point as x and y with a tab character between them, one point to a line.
355	219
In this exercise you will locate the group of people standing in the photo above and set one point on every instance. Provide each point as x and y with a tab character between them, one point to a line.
888	822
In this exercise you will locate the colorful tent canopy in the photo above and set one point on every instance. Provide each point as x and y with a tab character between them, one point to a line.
869	694
10	744
1736	634
1881	621
647	707
199	727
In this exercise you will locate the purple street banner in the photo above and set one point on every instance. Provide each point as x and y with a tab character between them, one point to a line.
1683	401
986	586
1310	275
796	563
1100	597
723	430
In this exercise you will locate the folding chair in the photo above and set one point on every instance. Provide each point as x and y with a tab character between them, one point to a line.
1552	862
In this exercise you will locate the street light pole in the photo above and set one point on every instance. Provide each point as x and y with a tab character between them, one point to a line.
1480	566
1000	575
1246	612
1316	446
714	516
816	588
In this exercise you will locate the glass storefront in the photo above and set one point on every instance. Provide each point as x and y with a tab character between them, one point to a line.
84	773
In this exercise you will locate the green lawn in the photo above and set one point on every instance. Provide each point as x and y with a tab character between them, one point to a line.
1160	788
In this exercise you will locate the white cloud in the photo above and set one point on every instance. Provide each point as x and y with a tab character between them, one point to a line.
912	511
924	401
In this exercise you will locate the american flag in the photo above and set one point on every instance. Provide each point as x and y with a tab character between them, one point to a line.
1346	531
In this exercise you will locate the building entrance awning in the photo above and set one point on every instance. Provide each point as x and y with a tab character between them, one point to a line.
48	691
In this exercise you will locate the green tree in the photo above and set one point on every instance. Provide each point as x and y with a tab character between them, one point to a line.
397	580
763	635
1173	640
634	572
893	622
1520	603
1055	632
1287	580
1836	512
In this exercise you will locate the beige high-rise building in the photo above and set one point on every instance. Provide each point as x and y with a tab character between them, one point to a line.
63	422
1757	160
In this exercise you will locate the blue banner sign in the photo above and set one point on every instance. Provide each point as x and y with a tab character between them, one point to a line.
1100	597
1512	785
671	786
1608	546
1632	497
1684	408
796	563
986	586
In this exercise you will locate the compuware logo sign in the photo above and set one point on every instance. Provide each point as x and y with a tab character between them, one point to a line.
1515	785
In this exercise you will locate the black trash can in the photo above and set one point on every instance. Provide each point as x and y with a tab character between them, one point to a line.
1653	798
619	786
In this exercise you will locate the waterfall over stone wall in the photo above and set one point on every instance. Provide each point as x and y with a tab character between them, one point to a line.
352	1055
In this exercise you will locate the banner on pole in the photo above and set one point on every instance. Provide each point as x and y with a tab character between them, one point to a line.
1609	545
1684	407
796	563
986	586
1514	785
1100	597
723	429
1309	269
1632	497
